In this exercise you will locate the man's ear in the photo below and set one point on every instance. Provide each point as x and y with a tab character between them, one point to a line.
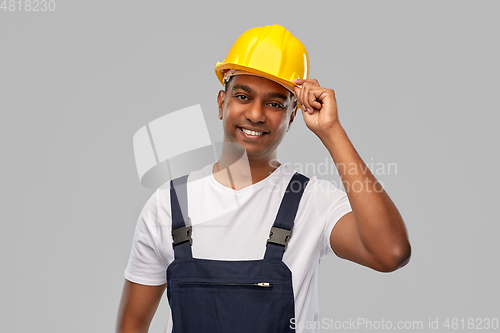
220	101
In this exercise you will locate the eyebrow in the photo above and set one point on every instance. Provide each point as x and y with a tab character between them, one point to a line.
250	91
277	95
242	87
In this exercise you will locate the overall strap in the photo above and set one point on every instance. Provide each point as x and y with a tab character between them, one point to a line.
181	223
283	224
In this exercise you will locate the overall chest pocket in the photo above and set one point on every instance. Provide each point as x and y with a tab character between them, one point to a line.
254	303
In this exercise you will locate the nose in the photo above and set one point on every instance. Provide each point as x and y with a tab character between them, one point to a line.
256	113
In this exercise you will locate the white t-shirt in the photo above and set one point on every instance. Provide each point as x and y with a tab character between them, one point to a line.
234	225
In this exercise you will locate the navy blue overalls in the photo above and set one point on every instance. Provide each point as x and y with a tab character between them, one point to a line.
232	296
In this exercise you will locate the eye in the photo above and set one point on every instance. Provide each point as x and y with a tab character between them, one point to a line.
242	97
276	105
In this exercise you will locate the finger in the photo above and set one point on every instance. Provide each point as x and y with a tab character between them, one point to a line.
305	97
316	97
314	82
307	100
306	86
297	93
306	110
311	97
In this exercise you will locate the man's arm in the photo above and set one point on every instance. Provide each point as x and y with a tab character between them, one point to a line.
137	307
374	234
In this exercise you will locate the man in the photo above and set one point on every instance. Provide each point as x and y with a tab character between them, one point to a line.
233	204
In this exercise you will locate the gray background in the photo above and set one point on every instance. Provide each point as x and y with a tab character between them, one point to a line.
417	85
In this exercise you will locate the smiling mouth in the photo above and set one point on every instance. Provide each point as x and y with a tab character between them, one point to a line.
250	132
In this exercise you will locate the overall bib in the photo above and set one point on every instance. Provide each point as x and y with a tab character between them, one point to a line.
232	296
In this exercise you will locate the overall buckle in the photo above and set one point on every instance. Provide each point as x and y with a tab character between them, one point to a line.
279	236
181	235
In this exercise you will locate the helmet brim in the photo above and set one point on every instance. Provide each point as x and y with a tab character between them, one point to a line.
220	68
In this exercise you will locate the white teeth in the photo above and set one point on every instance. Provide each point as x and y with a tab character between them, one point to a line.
251	132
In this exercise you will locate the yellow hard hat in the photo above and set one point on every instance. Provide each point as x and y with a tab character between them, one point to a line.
271	52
